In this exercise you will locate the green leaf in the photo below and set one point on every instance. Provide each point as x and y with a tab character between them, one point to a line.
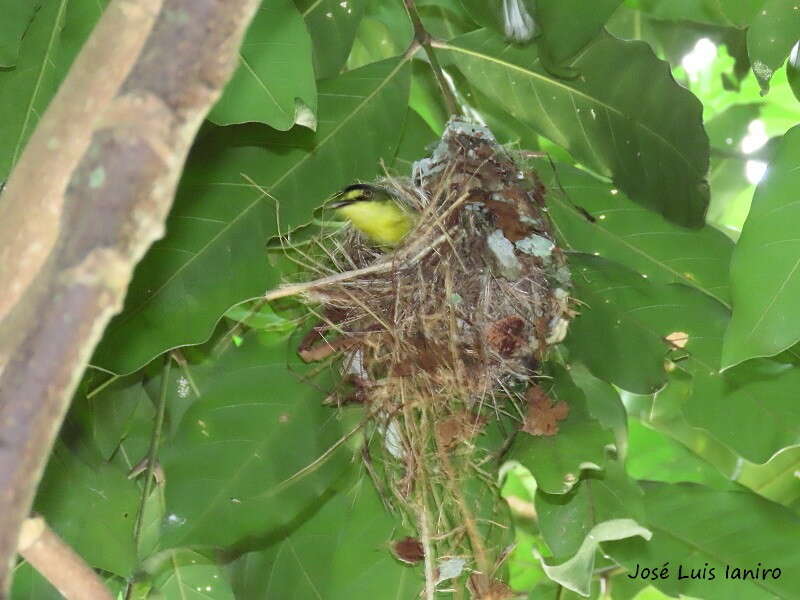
26	90
339	553
445	19
738	13
490	14
16	17
693	525
793	71
775	480
28	584
568	25
604	404
332	24
557	461
765	270
655	456
772	33
213	255
566	520
93	509
607	336
187	575
621	333
425	97
576	573
518	488
235	468
602	506
633	236
373	42
417	136
652	143
113	411
752	408
274	83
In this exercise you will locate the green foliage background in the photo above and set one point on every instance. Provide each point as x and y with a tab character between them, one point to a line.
697	448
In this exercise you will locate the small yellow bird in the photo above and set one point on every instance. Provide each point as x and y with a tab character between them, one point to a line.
373	212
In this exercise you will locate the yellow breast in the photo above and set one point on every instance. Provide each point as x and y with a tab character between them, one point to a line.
382	222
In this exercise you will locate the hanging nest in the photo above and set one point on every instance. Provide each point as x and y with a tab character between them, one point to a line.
440	334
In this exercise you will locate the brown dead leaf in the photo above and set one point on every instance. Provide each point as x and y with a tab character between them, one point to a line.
506	218
325	348
458	428
543	414
482	588
677	339
409	550
505	335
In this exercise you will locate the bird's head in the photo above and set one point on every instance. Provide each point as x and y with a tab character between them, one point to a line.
358	192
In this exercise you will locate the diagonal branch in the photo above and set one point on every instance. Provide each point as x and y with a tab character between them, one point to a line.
423	38
112	145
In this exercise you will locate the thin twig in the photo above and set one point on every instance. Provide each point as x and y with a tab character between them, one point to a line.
423	38
155	438
57	562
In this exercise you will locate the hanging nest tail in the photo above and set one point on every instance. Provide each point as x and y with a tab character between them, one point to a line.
472	298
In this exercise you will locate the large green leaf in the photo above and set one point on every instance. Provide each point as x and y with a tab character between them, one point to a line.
650	139
693	525
717	12
445	19
602	506
622	337
256	425
777	479
565	520
752	408
28	584
620	230
770	37
568	25
557	461
26	90
274	83
621	333
213	254
332	24
187	575
340	553
16	17
93	509
518	23
655	456
765	270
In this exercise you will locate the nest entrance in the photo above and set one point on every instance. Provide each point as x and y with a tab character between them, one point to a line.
460	314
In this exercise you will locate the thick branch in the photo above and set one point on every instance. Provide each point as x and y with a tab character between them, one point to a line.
89	208
58	563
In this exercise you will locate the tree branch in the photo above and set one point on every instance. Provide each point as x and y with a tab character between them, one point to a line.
88	197
58	563
423	38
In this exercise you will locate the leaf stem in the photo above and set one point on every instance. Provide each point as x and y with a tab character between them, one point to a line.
155	438
423	38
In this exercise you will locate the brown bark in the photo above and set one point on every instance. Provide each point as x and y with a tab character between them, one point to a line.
112	145
58	563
